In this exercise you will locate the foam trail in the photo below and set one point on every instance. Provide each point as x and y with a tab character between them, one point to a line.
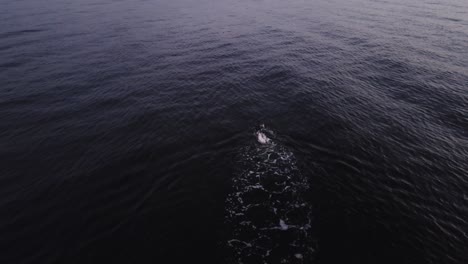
271	222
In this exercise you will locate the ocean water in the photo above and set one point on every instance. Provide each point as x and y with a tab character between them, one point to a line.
234	131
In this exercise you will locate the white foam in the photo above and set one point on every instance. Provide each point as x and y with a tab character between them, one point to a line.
283	225
262	138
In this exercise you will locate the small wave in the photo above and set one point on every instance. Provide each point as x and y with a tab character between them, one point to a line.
19	33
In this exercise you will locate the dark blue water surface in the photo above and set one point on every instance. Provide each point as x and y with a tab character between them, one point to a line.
234	131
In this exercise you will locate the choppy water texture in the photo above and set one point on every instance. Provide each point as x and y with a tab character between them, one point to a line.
270	219
127	131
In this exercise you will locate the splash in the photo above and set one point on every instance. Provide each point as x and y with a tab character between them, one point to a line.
271	221
262	138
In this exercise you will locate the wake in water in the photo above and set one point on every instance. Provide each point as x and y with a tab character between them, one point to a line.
271	222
